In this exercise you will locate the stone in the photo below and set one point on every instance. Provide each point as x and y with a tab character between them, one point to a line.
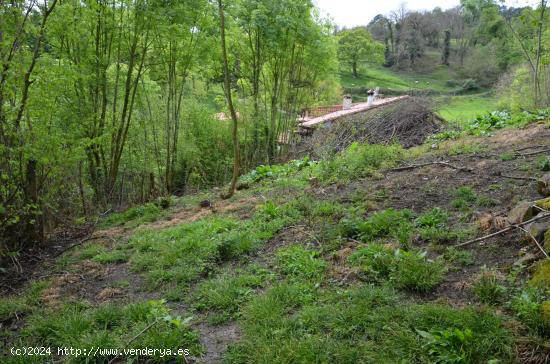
538	229
525	260
522	212
543	185
541	277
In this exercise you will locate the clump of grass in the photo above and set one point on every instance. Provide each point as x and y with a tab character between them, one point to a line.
28	301
507	156
409	270
462	257
414	271
376	260
543	163
299	263
181	254
488	288
223	295
110	257
388	223
400	226
466	198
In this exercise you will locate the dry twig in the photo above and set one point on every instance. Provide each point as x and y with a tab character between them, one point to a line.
509	228
446	164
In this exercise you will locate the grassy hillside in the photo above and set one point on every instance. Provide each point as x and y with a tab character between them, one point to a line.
346	260
439	82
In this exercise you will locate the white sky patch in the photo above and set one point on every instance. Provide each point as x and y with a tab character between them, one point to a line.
351	13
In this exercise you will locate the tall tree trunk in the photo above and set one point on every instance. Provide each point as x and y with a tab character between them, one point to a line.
227	87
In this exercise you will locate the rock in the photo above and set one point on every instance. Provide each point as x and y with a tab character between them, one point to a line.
543	185
522	212
525	260
538	229
541	277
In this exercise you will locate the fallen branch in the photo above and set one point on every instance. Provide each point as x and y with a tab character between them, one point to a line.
413	166
80	242
505	230
528	147
517	177
535	153
535	240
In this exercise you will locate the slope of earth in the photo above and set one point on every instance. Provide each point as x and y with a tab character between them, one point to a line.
349	260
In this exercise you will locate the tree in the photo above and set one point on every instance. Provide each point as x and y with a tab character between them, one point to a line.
229	99
534	25
356	46
446	48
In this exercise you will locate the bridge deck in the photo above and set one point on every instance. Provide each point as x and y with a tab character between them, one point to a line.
355	108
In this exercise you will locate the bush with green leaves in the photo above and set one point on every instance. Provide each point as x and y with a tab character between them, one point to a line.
263	172
527	305
449	346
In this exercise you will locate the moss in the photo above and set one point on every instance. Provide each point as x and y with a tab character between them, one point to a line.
544	203
545	312
541	277
547	241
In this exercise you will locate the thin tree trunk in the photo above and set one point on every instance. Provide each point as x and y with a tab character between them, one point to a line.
227	88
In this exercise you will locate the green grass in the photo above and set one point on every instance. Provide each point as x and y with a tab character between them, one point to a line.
223	295
135	216
81	326
461	109
386	78
367	324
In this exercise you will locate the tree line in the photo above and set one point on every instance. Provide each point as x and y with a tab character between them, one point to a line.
109	103
106	103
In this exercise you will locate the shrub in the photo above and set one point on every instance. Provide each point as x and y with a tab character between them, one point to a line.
527	305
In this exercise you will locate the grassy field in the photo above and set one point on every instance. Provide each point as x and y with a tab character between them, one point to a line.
460	109
439	79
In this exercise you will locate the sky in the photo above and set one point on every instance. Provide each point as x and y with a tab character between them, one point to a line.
351	13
